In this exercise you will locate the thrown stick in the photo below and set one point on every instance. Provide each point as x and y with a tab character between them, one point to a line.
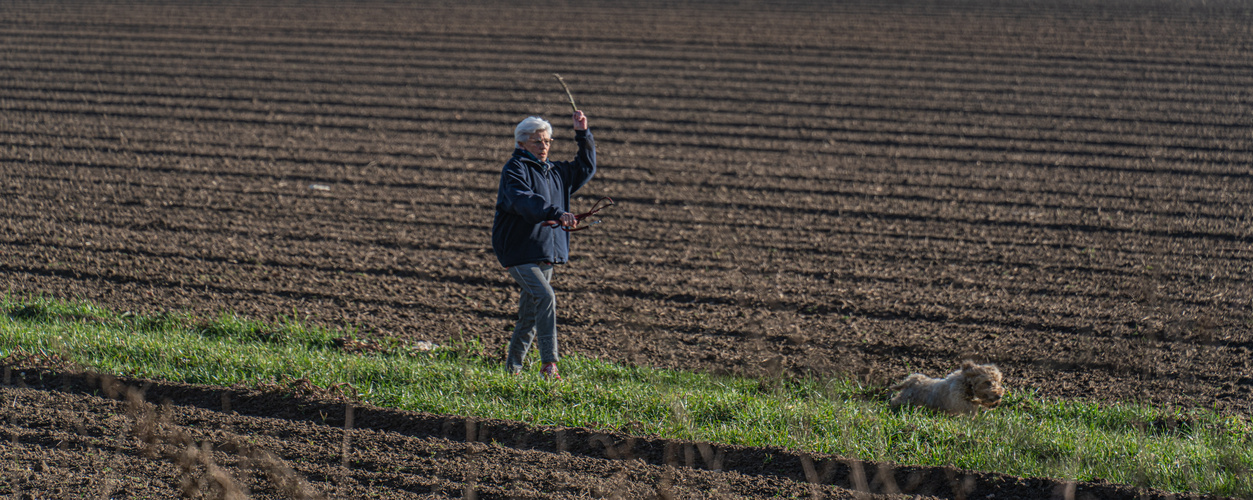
568	94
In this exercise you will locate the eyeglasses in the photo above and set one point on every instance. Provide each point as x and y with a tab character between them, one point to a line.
546	142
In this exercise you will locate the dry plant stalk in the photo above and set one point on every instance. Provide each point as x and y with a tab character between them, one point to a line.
200	476
568	94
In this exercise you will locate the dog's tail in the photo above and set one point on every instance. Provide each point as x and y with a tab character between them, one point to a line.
909	381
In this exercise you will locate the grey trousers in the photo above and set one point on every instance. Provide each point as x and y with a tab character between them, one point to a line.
537	315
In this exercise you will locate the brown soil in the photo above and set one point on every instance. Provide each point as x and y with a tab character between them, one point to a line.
870	188
87	436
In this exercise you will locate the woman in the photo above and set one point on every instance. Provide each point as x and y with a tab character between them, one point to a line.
533	191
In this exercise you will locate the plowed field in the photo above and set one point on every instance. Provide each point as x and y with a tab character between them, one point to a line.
872	188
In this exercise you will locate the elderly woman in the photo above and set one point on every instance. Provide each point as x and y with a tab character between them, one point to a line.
533	191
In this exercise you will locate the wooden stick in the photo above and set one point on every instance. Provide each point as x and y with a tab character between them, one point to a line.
568	94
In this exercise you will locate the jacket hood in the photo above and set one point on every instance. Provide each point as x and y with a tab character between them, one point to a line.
527	157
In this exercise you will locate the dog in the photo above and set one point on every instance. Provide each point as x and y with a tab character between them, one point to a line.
966	390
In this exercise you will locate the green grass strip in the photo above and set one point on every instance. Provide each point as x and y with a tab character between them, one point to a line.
1174	449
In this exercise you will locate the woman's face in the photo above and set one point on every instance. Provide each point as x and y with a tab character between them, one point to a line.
538	144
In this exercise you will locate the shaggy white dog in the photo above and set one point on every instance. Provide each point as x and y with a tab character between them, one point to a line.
966	390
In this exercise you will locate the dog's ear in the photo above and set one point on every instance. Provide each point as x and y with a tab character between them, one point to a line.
968	364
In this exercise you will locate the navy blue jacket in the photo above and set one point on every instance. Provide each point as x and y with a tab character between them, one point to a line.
532	192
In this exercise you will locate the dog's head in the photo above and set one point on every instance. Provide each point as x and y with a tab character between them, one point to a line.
983	384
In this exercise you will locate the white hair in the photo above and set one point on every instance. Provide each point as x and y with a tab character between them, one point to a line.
531	125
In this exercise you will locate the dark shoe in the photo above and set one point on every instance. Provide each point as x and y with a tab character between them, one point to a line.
549	371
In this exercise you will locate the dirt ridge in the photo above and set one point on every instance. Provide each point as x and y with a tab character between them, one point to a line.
322	408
